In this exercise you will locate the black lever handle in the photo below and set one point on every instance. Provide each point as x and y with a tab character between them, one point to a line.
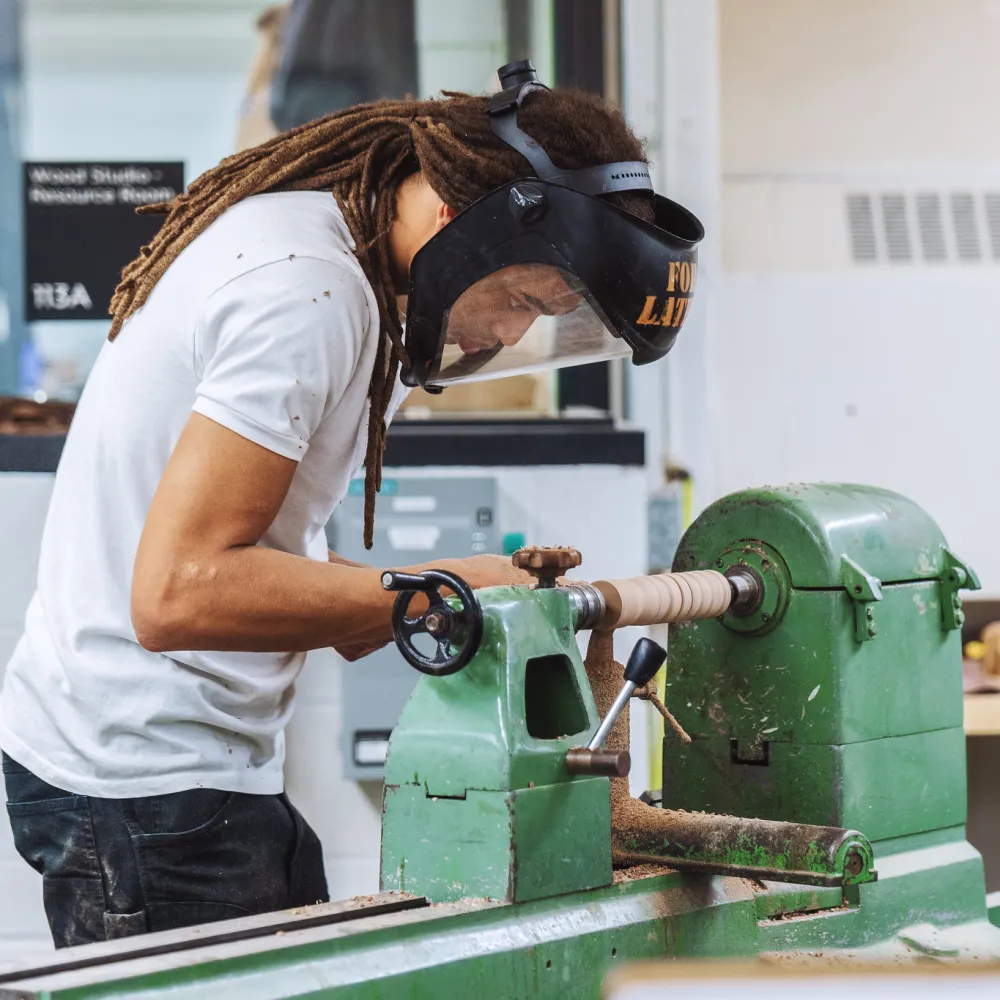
645	659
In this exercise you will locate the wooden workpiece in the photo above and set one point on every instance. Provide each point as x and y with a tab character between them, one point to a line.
664	598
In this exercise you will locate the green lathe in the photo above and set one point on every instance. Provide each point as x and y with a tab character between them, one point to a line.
814	787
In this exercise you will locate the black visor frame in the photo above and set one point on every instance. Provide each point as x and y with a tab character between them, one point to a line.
640	274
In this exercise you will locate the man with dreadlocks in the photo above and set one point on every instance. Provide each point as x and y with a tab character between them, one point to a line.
253	366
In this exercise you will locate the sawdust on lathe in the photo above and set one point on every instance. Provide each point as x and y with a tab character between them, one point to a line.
632	822
637	872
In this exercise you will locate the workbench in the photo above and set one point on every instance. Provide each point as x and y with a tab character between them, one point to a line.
982	730
982	714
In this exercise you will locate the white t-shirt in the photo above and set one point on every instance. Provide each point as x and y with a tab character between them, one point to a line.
266	325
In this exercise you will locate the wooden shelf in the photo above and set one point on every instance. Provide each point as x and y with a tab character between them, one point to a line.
982	715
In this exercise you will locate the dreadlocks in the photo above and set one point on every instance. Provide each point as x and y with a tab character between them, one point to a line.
362	155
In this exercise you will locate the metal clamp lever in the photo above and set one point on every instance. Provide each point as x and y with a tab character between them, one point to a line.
646	658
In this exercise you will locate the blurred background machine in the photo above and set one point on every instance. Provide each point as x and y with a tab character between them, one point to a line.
516	864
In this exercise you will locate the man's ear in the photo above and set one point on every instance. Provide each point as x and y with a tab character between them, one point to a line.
443	217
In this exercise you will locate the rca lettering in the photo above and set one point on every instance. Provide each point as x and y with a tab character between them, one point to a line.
681	278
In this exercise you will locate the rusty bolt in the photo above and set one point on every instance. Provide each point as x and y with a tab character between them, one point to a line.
855	863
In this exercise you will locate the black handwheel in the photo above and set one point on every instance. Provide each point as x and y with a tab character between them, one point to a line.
456	631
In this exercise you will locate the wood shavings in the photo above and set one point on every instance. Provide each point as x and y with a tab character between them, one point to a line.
648	693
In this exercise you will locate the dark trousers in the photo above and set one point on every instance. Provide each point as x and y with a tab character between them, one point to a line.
116	867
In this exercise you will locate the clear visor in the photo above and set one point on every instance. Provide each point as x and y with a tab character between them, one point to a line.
523	318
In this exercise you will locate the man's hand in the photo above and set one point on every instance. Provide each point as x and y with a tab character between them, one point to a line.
489	571
478	571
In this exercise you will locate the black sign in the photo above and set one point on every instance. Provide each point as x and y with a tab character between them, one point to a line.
81	229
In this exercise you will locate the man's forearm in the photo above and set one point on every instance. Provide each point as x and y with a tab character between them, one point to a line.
202	581
256	599
341	561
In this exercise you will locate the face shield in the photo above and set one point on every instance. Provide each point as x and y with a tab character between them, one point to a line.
543	273
522	318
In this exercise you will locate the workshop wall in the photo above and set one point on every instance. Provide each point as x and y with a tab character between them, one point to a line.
459	44
861	253
670	81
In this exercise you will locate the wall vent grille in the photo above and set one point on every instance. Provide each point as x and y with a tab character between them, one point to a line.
861	223
895	227
993	222
963	213
930	224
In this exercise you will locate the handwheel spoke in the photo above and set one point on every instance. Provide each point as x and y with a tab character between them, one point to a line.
412	626
443	652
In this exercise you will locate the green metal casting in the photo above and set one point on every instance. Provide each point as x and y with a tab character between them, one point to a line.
848	711
477	801
772	573
477	765
864	590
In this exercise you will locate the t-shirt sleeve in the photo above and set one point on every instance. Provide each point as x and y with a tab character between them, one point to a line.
276	348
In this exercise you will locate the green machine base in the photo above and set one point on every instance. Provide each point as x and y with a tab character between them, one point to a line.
928	904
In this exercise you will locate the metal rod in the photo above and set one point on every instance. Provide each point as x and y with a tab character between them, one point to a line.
587	605
604	763
748	590
609	720
752	848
